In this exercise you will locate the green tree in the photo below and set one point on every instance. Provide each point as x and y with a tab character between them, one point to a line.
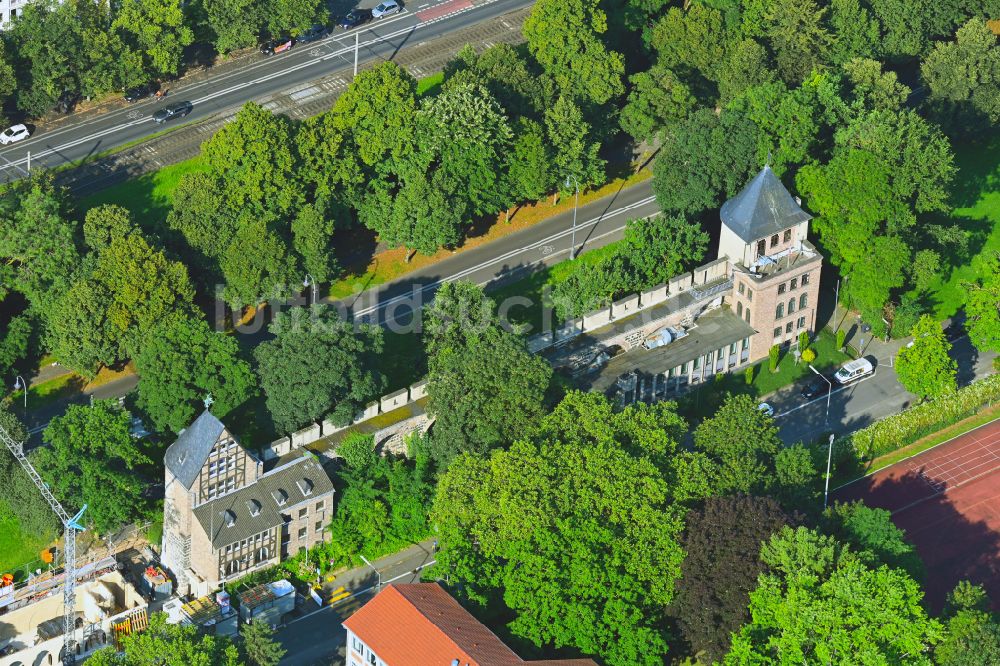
506	72
529	168
566	39
104	223
905	32
856	32
973	636
460	309
328	165
268	271
658	248
235	24
964	78
484	392
818	603
657	99
873	88
572	153
703	160
91	459
871	533
722	541
157	28
18	493
295	16
983	305
312	234
745	65
79	333
15	338
742	442
691	42
165	644
318	366
259	646
924	367
796	31
183	361
254	160
538	524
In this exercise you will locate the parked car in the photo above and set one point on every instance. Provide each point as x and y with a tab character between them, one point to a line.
816	387
178	110
279	45
767	409
386	8
355	18
853	371
14	134
313	34
141	92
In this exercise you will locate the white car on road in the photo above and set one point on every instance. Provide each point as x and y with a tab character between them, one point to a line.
767	409
385	8
14	134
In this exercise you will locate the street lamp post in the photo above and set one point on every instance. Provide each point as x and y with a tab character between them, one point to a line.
315	287
21	384
377	572
829	391
576	205
829	456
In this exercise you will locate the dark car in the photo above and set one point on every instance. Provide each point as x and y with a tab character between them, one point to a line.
277	45
141	92
313	34
178	110
355	18
816	387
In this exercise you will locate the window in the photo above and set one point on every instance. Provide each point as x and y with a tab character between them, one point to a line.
777	333
302	532
774	240
794	284
357	644
788	235
746	343
802	322
743	288
697	363
791	305
781	288
761	248
739	309
749	294
805	279
788	327
262	555
803	301
779	311
373	659
319	526
303	512
747	315
732	348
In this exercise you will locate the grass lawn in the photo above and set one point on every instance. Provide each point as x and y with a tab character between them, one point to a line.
977	211
16	547
49	391
148	197
706	399
430	85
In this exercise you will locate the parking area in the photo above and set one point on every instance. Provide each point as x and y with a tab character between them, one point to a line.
947	500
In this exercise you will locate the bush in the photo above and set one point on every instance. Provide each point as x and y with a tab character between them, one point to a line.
772	358
803	341
809	355
841	337
897	431
749	373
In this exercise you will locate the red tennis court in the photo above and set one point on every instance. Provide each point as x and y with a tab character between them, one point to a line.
947	500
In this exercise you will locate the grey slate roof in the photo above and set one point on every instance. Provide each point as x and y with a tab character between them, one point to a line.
212	515
188	454
762	209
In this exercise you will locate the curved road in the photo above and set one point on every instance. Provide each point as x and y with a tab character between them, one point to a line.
422	20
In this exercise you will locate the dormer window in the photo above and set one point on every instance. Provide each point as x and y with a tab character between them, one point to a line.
229	517
254	507
306	486
280	496
788	235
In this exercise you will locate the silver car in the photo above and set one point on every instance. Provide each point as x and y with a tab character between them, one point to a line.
386	8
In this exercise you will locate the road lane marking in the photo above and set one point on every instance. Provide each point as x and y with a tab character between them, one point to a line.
823	397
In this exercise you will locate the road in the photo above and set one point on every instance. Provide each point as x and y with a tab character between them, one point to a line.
866	401
75	140
318	638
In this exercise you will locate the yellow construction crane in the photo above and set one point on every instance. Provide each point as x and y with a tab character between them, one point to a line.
71	525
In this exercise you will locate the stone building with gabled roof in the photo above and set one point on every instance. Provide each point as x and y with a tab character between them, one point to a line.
224	516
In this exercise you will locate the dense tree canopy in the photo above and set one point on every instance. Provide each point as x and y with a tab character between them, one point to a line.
983	306
924	367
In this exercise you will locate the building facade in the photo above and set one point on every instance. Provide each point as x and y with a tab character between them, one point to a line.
420	624
224	516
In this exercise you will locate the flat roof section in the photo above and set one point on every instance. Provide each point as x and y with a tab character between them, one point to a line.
715	329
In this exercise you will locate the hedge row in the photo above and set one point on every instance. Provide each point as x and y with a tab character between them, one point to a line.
895	432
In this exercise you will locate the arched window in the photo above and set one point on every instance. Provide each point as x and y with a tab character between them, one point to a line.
774	240
779	311
262	555
803	301
791	305
739	309
233	567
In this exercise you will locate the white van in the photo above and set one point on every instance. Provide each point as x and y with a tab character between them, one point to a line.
853	370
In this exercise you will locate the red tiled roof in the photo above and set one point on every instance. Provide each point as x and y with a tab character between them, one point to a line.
420	624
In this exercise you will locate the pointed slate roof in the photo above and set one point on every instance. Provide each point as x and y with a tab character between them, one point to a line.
762	209
188	454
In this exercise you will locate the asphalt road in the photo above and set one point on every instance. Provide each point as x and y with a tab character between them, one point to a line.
859	404
72	142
